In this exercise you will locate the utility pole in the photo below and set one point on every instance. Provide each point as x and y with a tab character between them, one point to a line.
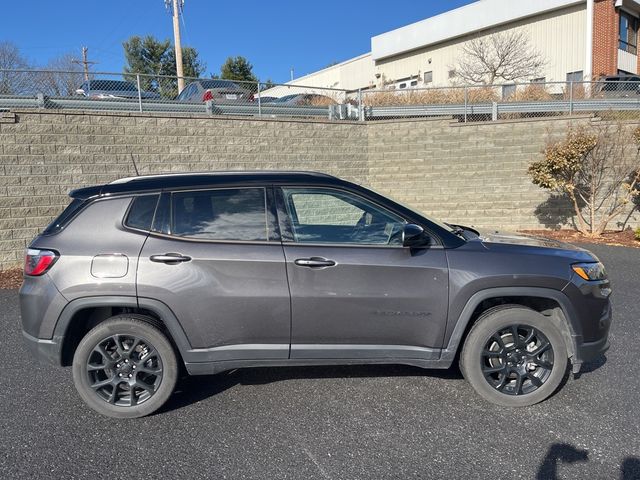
176	5
85	62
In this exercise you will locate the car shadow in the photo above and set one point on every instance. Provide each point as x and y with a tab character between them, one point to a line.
193	389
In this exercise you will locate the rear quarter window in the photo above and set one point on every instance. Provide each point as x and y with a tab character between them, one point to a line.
65	217
141	212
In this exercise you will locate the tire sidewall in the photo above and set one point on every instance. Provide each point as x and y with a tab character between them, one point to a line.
471	358
125	326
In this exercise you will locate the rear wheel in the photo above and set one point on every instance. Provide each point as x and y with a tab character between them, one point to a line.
514	356
125	367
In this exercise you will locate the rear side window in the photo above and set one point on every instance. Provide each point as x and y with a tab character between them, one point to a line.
140	215
236	214
65	217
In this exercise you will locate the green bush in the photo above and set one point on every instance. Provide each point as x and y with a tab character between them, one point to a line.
637	233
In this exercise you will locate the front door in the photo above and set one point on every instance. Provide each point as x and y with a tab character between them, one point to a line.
216	261
356	292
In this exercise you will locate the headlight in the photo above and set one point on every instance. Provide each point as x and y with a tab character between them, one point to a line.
590	271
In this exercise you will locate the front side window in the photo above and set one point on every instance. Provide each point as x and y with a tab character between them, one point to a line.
628	38
323	215
234	214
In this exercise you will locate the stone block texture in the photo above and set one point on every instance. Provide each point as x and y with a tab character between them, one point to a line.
473	174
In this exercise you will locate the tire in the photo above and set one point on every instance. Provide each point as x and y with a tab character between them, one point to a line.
514	374
125	367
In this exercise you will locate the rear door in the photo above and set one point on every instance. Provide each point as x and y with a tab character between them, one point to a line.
216	260
356	292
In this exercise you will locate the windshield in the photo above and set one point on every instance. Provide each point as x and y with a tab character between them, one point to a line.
444	226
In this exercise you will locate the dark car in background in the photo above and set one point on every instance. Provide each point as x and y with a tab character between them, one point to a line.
619	86
145	277
215	90
104	89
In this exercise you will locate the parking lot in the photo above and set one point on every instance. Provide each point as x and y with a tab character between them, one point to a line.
332	422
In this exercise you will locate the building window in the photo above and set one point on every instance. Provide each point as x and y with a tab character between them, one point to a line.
628	33
402	85
452	74
428	77
539	80
507	91
575	76
414	83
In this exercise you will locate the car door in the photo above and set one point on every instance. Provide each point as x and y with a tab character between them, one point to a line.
215	259
356	292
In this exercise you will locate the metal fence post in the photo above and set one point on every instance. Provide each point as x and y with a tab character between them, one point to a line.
360	106
259	102
571	97
466	102
139	92
494	111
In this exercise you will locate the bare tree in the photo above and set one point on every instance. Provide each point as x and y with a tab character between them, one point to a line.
506	56
11	82
62	76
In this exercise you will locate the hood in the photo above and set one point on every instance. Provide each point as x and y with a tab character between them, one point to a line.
493	237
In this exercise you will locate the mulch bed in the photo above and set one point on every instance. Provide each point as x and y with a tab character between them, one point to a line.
11	278
620	239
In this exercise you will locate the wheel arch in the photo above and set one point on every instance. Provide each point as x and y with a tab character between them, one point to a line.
82	314
552	302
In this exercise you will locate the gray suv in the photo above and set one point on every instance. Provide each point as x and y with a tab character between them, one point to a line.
144	277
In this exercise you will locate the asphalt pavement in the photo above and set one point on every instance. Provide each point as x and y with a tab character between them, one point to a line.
332	423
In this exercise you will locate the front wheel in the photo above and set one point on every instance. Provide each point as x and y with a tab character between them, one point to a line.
514	356
125	367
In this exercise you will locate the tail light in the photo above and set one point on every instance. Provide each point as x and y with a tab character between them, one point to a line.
208	95
37	262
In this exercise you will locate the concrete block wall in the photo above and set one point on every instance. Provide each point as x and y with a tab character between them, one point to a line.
473	174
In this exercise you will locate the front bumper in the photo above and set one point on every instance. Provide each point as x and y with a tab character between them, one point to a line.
45	350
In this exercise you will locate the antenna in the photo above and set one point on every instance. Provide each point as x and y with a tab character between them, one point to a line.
135	167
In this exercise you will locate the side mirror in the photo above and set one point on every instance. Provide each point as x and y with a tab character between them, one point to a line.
414	236
79	91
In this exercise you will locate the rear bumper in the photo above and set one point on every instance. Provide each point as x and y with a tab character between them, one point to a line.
45	350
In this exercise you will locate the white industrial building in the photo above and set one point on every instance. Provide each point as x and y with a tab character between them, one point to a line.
579	39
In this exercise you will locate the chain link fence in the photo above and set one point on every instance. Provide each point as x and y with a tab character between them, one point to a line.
617	99
47	89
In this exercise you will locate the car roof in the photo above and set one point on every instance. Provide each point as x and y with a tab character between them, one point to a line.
148	183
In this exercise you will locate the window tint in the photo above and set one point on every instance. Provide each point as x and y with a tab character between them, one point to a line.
218	84
65	217
224	214
331	216
141	212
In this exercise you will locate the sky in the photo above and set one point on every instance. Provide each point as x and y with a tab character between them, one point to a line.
274	36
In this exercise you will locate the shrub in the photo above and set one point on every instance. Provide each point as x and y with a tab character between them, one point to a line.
595	168
637	233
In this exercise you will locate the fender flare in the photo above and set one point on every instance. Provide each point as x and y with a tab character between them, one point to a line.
160	309
571	328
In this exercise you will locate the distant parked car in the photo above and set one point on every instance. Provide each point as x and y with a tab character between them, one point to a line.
218	91
112	89
267	99
619	86
308	99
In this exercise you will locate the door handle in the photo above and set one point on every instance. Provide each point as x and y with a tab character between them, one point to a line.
315	262
170	258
